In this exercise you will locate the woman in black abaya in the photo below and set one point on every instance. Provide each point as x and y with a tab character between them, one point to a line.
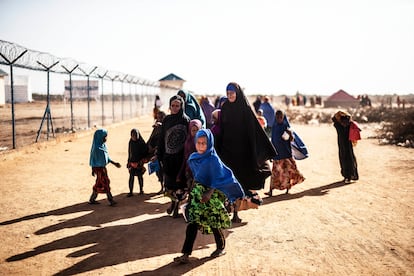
347	160
243	145
170	151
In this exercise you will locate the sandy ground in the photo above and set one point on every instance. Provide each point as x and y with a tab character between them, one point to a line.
323	227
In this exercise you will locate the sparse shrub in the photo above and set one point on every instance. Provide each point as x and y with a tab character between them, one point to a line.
397	125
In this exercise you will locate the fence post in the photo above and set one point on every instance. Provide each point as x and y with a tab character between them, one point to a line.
122	96
47	113
70	93
102	97
135	97
12	93
88	89
113	97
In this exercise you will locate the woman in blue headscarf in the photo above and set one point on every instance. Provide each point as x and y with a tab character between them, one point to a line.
99	158
214	182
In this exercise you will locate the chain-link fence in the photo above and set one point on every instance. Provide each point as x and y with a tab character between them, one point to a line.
75	96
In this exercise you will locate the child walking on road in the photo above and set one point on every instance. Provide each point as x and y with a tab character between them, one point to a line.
137	154
285	173
213	183
152	144
99	158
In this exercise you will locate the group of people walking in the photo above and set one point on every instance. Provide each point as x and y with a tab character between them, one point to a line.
212	166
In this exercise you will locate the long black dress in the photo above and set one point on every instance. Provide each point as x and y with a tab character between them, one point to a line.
170	150
347	159
243	145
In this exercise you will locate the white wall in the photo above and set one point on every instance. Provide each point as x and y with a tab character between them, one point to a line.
21	89
2	91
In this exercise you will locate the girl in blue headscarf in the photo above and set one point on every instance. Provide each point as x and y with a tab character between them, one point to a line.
99	158
214	182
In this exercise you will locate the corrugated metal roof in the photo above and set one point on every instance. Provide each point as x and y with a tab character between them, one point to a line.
171	77
2	73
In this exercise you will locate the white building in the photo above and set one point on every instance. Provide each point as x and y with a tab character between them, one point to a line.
2	88
21	89
80	89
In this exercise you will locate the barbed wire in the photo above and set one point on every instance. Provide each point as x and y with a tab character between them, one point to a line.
19	56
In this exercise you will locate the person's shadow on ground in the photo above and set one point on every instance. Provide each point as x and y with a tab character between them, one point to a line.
318	191
97	214
118	244
173	268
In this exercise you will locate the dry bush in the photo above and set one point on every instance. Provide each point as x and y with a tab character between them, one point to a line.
396	124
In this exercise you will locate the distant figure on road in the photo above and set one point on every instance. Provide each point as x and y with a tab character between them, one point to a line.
347	160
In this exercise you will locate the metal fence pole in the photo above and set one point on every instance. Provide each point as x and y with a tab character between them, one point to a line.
122	96
89	96
47	113
102	97
10	63
11	55
130	97
70	93
135	97
113	97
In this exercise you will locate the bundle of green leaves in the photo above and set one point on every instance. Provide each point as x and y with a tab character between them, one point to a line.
208	215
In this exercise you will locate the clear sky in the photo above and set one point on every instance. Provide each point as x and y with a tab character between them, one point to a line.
269	47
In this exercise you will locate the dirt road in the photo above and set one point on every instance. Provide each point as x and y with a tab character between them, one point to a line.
323	227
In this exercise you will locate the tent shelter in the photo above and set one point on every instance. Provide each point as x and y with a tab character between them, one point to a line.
341	99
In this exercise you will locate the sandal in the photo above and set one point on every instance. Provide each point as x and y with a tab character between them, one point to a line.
218	253
269	193
182	259
255	198
171	208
